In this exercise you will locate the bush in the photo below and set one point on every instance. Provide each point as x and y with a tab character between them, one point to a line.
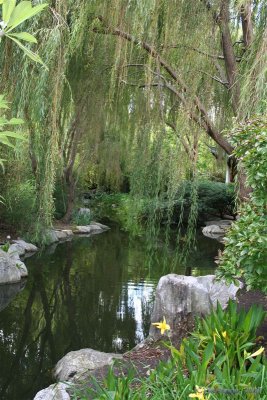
245	253
213	199
20	206
80	218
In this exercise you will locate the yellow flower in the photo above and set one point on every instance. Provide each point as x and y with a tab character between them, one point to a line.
162	326
199	393
257	353
224	334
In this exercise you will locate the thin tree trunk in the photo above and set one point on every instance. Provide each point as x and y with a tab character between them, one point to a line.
70	199
247	26
229	55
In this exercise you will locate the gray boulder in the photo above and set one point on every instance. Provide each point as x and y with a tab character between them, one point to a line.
83	229
50	236
178	296
74	365
22	268
219	222
93	228
58	391
214	230
9	272
16	250
61	235
28	247
102	226
68	232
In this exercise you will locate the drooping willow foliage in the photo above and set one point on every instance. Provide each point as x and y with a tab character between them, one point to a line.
107	104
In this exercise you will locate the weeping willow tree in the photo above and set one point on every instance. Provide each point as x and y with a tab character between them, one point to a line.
134	89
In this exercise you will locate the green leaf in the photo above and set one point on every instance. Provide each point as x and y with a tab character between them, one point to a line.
14	135
16	121
4	140
8	8
22	12
24	36
33	56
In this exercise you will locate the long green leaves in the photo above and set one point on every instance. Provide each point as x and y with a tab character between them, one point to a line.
13	16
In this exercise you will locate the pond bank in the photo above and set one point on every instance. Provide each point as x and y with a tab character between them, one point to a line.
79	372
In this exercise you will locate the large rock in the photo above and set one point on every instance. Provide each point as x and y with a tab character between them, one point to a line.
16	250
50	236
83	229
9	272
216	229
58	391
61	235
22	268
178	296
93	228
74	365
28	247
102	226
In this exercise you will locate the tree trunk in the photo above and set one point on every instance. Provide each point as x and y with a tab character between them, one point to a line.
70	199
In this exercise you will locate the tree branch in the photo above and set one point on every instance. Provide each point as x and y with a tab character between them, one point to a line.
184	89
215	78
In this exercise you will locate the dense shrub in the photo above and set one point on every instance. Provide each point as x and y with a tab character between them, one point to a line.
214	199
245	254
20	206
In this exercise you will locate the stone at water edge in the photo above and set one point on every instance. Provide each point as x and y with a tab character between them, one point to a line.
16	249
22	269
28	247
54	392
75	364
61	235
102	226
214	229
178	297
83	229
9	272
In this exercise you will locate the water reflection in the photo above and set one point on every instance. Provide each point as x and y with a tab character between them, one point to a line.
92	292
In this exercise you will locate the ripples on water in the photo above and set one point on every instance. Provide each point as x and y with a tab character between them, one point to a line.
92	292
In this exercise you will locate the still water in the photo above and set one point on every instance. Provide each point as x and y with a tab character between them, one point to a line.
92	292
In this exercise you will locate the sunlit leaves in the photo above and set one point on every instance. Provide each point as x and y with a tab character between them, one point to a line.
13	16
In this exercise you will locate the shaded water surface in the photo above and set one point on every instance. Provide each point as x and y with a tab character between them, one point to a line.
90	292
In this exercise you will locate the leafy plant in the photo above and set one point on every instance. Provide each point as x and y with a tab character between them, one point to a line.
18	199
6	135
80	218
245	253
220	357
14	15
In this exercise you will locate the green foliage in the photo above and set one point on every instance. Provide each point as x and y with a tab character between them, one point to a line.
6	135
245	254
218	357
213	199
14	15
20	206
79	218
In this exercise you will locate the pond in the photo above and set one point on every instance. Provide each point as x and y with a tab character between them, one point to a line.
94	292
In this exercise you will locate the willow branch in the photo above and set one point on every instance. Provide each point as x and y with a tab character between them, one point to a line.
183	88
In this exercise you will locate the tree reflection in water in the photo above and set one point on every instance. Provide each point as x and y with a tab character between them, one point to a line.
91	292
